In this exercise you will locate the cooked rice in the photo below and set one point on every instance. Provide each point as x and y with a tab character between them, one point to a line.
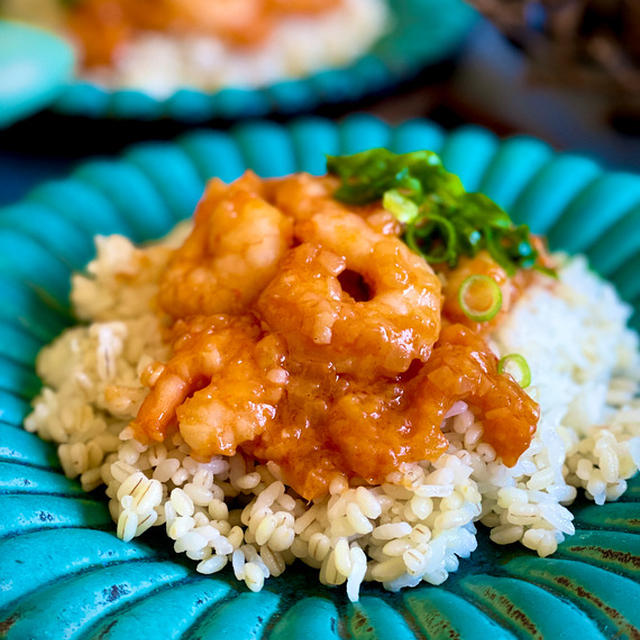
160	63
416	526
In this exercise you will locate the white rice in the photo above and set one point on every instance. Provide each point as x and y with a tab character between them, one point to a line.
413	528
159	64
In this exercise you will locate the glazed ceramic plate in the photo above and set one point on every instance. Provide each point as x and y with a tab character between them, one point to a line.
63	572
34	66
423	32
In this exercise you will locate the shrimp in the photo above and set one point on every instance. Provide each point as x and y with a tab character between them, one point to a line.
231	254
354	297
243	22
301	196
302	6
222	384
511	288
462	367
375	432
101	27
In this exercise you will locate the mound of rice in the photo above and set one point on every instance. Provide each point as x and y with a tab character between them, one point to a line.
160	64
416	526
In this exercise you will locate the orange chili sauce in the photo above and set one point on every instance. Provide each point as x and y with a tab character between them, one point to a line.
320	423
100	27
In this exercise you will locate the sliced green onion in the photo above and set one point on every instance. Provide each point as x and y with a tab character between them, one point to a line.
418	179
489	288
440	246
551	273
402	209
515	365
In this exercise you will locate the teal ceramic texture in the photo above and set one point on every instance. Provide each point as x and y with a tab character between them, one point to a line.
422	32
35	66
63	572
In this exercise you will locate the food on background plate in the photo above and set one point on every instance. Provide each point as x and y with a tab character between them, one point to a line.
162	45
351	370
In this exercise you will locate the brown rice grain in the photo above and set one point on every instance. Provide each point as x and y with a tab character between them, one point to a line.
282	538
180	526
212	565
166	468
319	546
127	525
273	560
235	537
392	530
182	503
238	562
357	519
253	576
368	503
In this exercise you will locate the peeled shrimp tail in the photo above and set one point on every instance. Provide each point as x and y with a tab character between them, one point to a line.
158	409
188	371
221	386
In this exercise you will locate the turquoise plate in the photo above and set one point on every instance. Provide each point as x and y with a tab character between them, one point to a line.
63	572
423	32
34	67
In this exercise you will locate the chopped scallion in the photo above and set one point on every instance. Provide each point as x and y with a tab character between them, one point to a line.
515	365
442	221
480	298
402	209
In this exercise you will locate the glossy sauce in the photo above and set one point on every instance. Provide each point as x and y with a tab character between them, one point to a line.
327	371
482	264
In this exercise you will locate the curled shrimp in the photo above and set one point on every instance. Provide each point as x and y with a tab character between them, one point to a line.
222	385
354	297
511	287
243	22
374	433
231	254
462	367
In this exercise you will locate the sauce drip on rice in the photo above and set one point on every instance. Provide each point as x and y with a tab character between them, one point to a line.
305	332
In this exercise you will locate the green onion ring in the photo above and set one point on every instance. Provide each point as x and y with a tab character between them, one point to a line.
480	315
447	253
402	208
522	366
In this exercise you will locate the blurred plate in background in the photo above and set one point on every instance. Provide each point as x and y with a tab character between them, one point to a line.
34	68
423	32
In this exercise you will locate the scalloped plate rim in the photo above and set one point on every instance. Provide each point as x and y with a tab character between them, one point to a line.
457	587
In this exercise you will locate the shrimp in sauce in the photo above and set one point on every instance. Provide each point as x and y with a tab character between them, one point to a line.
308	334
102	27
222	384
234	251
393	319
